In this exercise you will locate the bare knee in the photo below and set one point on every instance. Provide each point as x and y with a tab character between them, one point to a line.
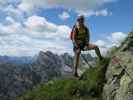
78	51
92	46
96	47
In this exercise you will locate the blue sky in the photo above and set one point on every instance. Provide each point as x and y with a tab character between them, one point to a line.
30	26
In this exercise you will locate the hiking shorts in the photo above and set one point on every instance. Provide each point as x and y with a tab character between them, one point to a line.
81	46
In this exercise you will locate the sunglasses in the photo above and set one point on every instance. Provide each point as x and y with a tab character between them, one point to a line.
80	20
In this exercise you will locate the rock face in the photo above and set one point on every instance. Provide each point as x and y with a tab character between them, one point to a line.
119	74
14	80
50	66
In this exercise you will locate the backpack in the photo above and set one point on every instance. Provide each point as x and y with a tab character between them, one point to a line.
72	32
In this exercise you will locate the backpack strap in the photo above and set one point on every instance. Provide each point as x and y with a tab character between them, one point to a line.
87	33
75	29
86	29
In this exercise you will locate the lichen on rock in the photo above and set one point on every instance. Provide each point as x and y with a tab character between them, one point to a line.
120	76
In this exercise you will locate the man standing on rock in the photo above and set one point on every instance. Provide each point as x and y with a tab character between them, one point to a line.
80	37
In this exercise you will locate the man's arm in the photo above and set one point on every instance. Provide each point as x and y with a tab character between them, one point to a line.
74	39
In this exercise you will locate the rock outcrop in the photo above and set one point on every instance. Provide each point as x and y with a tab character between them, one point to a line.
119	74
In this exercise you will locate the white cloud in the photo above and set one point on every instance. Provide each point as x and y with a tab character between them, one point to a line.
116	38
3	3
40	34
103	12
9	7
80	5
101	43
13	12
103	46
37	34
26	5
23	34
39	24
65	15
10	29
9	19
39	27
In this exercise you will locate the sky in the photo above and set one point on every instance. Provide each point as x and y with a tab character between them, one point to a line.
30	26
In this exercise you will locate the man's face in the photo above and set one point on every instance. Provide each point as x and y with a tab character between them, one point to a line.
81	22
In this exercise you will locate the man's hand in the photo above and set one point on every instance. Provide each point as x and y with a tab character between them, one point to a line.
75	44
78	51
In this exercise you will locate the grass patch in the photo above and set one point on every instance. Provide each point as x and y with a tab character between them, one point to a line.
89	86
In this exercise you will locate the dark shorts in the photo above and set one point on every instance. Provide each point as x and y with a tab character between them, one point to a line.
81	46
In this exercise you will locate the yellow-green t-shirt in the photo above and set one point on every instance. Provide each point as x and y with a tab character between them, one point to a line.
82	34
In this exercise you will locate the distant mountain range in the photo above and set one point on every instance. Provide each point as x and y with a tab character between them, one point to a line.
16	60
19	74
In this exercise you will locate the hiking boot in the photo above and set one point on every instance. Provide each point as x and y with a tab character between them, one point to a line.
101	58
76	75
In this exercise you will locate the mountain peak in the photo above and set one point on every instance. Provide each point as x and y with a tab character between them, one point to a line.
127	45
41	53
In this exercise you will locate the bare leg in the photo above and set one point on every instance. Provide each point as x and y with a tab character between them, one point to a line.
76	62
95	47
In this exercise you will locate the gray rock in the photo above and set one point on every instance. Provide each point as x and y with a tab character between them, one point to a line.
119	76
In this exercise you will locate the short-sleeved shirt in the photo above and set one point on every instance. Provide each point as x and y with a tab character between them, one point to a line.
82	35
